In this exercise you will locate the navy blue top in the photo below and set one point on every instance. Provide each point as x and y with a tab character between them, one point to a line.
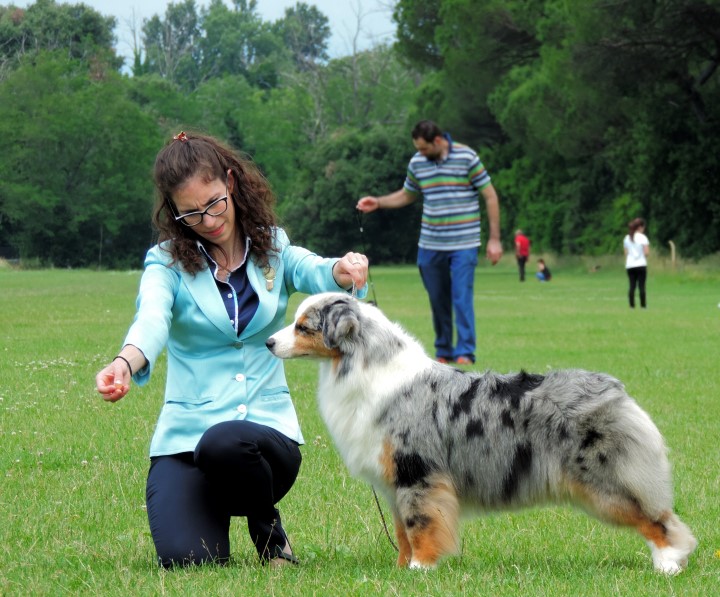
240	299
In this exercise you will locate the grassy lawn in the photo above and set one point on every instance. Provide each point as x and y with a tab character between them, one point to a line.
72	518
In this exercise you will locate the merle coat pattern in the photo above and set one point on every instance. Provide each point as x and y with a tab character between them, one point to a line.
438	442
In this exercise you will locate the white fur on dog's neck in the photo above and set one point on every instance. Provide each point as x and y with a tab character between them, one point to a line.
348	404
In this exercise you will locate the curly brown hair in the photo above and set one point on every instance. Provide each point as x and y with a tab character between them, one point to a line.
193	154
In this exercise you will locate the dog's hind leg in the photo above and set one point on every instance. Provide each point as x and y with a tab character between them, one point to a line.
429	514
673	558
670	542
669	539
622	474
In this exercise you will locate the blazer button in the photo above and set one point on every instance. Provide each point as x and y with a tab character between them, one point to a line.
238	344
239	377
242	409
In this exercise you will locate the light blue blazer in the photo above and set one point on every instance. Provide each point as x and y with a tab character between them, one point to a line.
214	375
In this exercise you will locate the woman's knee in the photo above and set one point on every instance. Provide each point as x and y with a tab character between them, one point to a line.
223	444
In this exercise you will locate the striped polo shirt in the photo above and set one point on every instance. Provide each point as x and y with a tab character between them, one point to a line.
450	190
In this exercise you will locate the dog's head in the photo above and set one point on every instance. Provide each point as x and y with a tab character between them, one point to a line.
326	326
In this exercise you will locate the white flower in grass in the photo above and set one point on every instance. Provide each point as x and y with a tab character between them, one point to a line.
319	442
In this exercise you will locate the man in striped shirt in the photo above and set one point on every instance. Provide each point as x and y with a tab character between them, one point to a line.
450	178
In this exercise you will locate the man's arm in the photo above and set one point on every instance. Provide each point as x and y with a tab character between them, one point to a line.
394	200
492	205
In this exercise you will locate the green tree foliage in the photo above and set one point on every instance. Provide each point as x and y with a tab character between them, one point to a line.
189	47
239	42
172	44
76	29
280	127
417	23
305	32
339	171
367	88
266	125
597	111
262	87
586	114
75	187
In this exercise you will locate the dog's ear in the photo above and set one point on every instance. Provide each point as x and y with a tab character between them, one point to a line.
341	325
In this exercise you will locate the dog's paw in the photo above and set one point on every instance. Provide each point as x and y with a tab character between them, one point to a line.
416	565
669	567
669	560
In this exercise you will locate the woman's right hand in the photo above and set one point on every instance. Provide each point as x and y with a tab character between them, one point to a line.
113	382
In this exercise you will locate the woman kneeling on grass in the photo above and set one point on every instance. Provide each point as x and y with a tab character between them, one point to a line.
213	290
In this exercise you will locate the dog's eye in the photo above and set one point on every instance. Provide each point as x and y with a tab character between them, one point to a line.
302	329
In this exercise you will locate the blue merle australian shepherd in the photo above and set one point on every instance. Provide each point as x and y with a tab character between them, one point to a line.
438	442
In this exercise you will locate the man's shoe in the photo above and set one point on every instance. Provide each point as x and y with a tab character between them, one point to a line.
464	361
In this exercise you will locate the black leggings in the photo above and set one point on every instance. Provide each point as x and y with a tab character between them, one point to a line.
239	468
521	261
637	277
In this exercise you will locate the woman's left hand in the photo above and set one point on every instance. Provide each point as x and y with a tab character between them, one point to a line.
352	268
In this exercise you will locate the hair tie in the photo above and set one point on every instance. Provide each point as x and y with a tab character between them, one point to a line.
122	358
181	136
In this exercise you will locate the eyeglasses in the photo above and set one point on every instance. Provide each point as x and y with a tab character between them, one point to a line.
216	208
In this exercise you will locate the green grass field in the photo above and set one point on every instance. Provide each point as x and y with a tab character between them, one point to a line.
72	518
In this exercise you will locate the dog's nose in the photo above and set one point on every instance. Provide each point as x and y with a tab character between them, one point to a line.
270	342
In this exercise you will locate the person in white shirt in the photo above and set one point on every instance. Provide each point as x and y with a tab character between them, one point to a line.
636	247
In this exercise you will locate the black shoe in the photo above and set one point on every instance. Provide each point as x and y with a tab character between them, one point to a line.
270	540
280	556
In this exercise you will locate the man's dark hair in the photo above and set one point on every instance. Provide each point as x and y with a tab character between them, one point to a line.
427	130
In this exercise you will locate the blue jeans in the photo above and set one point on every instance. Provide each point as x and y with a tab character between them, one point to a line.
449	277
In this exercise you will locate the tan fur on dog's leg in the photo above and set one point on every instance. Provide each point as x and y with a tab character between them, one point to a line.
431	522
405	550
682	544
670	542
669	539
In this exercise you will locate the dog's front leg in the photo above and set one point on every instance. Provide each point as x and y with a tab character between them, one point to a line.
403	542
429	514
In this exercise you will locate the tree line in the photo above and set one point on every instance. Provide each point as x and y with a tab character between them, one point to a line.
586	114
